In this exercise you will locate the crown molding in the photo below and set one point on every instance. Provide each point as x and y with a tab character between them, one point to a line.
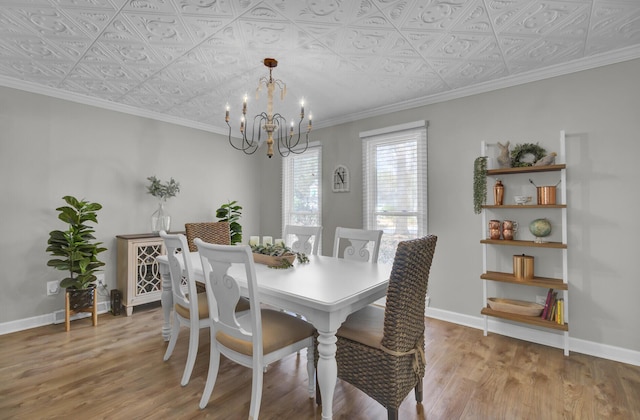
101	103
600	60
604	59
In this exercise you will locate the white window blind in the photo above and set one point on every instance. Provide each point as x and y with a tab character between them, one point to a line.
395	184
302	188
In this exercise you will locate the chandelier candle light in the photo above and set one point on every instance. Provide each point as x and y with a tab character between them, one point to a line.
270	122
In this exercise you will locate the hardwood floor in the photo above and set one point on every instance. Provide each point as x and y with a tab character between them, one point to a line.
115	371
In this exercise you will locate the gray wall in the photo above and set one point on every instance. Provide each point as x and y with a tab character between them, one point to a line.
50	148
599	109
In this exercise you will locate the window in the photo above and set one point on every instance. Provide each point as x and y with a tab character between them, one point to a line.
302	188
395	184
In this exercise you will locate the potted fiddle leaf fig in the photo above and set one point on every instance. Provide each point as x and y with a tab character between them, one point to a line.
75	250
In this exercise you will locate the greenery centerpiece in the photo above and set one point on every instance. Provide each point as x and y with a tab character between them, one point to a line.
75	249
231	212
160	220
282	256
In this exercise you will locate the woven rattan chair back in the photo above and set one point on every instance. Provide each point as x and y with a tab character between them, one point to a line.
388	372
406	294
212	232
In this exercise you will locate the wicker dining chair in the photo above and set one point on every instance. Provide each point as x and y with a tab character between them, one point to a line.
211	232
381	350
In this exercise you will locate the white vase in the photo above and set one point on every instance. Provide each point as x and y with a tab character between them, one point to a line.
160	220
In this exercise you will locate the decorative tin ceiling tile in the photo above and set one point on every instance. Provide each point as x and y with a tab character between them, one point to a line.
91	21
48	22
435	15
343	57
160	29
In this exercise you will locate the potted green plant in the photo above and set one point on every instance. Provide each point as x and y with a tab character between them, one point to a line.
231	212
75	250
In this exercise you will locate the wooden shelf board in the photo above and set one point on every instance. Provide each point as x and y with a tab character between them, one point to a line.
531	320
526	169
524	243
526	206
546	282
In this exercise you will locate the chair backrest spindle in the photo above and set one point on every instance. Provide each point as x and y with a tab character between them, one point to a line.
303	236
359	239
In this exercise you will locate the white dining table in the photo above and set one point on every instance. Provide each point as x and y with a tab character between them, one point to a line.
325	291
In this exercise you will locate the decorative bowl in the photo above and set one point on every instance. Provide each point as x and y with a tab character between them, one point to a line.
273	261
522	199
514	306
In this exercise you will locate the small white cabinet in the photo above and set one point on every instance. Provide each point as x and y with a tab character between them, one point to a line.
138	273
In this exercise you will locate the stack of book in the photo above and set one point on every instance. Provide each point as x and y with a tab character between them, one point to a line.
553	308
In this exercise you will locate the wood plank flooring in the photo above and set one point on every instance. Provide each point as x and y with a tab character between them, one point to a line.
115	371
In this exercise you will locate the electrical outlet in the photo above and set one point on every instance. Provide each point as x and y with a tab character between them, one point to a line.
101	281
541	300
53	287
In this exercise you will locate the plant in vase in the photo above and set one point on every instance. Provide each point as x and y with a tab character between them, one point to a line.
160	220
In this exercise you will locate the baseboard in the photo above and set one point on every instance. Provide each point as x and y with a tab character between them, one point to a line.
547	338
103	307
55	317
552	339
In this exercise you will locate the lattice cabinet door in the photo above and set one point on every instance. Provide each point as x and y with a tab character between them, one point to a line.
138	271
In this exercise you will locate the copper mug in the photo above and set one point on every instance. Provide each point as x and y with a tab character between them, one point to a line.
494	229
509	229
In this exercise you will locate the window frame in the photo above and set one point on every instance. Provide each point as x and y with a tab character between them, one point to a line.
288	178
397	134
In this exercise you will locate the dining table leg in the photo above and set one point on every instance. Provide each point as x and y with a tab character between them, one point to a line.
166	300
327	370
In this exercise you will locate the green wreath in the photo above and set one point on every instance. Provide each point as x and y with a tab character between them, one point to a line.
521	150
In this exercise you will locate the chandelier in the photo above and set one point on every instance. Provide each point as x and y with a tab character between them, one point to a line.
269	122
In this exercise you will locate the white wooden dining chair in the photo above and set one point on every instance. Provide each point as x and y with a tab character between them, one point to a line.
254	338
302	237
185	304
358	241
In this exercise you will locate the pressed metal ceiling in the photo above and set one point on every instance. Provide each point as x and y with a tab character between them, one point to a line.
183	60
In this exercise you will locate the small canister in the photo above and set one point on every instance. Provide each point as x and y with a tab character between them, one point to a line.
523	266
546	195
